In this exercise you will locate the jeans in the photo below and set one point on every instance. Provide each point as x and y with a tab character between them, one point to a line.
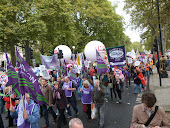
72	102
1	106
127	79
137	88
62	118
45	113
107	88
79	94
100	112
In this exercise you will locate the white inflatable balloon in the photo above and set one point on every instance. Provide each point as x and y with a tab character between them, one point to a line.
90	50
66	52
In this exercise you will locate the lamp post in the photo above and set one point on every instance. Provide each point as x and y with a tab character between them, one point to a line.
159	20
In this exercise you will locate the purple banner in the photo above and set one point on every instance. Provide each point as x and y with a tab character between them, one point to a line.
28	80
50	62
101	65
116	56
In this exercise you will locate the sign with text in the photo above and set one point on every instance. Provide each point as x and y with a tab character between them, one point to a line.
116	56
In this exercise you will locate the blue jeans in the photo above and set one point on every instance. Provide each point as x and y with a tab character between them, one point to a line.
137	88
79	94
1	106
72	102
45	113
107	88
100	112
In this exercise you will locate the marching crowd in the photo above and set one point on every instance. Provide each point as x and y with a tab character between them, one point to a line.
94	90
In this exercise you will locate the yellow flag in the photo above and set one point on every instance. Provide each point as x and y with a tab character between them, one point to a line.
78	59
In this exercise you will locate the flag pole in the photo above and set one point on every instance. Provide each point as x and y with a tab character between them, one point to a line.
10	95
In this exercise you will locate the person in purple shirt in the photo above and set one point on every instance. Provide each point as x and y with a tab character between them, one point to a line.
87	96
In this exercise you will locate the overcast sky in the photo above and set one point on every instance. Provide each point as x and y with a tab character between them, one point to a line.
133	34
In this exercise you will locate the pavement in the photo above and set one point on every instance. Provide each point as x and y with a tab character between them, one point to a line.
162	92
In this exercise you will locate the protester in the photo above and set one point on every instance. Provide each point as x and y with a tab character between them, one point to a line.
60	82
98	95
118	89
87	96
61	102
48	94
75	123
29	117
137	82
112	85
105	80
8	100
143	112
69	89
127	75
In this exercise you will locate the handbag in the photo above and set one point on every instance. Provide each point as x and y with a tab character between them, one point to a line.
110	85
150	118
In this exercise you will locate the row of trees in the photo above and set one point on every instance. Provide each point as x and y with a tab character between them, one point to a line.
44	24
144	15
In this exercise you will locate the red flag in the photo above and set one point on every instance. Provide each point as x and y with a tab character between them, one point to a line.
114	69
140	76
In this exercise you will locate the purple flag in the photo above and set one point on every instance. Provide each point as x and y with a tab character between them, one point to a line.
101	65
84	73
28	80
12	76
116	56
64	69
50	62
72	76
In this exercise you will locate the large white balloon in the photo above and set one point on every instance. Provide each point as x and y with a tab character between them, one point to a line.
66	52
90	50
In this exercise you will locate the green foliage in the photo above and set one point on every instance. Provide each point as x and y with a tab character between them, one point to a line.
144	15
137	45
45	24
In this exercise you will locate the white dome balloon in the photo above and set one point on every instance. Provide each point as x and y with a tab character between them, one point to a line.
66	52
90	50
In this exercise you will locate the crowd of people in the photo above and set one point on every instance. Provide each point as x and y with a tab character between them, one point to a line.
94	90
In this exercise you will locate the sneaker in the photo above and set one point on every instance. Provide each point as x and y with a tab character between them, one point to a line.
77	113
106	101
117	102
69	117
45	126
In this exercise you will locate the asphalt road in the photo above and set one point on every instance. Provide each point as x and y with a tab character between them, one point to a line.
116	115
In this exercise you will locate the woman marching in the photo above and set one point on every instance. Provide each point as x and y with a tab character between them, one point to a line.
87	96
61	102
118	89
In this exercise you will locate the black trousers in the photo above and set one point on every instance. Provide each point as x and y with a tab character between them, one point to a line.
11	123
112	90
88	110
62	118
119	93
1	122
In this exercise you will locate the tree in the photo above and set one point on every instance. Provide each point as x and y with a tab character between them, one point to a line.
144	15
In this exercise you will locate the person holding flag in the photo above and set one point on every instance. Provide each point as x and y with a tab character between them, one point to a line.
69	89
27	113
137	82
48	94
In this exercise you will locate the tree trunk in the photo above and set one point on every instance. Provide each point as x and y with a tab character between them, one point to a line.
27	53
13	56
